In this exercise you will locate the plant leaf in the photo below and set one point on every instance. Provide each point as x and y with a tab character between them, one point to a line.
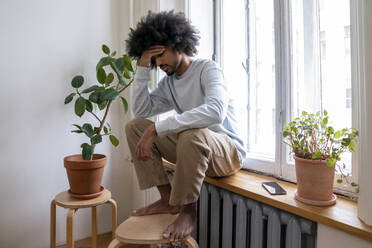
118	74
102	105
339	180
103	62
88	105
96	139
105	130
95	97
96	130
87	151
69	98
352	146
120	63
125	104
109	94
109	79
77	126
285	133
101	75
329	163
76	131
80	106
90	89
128	62
127	74
113	53
77	81
114	140
105	49
338	135
88	129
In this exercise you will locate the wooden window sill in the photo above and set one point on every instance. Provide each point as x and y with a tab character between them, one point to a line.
342	215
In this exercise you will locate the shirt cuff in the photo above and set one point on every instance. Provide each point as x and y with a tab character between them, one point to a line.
143	73
162	127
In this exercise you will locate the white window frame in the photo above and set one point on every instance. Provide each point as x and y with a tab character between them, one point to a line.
279	167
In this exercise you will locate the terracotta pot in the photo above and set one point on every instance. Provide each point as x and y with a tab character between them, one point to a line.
314	182
85	176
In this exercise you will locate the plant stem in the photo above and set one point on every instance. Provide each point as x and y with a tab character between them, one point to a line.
95	116
102	123
126	86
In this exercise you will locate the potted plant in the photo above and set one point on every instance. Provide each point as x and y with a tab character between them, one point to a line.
85	170
317	149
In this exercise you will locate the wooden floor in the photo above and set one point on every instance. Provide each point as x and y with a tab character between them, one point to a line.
103	240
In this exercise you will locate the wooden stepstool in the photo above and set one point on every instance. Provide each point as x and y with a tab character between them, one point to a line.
146	230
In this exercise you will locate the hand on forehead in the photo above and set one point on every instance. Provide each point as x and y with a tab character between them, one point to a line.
157	47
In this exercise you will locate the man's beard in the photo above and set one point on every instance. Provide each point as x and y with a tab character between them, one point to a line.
170	73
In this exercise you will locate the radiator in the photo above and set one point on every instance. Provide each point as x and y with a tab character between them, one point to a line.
228	220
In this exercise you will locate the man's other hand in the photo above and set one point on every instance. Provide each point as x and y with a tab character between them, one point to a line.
143	152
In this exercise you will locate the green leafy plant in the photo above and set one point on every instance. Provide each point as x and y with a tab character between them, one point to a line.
100	96
310	137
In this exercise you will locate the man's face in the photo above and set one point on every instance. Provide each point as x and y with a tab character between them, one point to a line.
168	61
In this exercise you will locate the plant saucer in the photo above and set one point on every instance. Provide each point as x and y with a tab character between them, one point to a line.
87	196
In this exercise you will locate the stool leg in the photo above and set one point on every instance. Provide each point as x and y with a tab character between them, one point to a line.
70	228
53	224
94	227
114	215
115	244
190	242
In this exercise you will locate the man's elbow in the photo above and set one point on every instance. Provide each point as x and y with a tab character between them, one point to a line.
218	113
138	112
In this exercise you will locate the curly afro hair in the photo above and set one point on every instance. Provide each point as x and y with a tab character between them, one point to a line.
169	29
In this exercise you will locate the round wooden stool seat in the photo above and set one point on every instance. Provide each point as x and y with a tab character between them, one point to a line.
148	230
64	199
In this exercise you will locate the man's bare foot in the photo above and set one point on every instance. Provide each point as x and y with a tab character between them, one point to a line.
183	225
159	207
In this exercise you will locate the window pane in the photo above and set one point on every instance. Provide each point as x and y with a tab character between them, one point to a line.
201	16
336	65
320	60
234	54
261	92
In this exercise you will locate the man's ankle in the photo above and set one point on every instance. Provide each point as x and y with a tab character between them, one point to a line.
165	192
189	208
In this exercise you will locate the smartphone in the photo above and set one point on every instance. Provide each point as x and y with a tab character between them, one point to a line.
273	188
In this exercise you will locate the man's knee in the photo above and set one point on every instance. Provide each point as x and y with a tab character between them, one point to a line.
136	123
192	137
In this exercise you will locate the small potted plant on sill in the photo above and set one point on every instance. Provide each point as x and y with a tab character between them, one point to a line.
85	170
317	149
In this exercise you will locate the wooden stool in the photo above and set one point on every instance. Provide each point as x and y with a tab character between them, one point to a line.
66	201
146	230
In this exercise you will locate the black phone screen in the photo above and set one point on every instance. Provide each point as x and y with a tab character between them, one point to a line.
273	188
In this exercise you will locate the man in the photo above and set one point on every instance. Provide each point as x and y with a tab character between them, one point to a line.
201	139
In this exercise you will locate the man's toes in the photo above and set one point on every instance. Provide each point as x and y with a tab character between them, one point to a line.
182	235
167	232
177	236
173	236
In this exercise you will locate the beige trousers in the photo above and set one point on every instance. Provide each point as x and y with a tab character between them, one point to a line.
196	153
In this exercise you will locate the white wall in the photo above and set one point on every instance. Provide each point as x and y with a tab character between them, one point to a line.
43	44
329	237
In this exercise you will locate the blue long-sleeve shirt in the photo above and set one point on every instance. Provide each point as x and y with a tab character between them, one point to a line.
199	97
